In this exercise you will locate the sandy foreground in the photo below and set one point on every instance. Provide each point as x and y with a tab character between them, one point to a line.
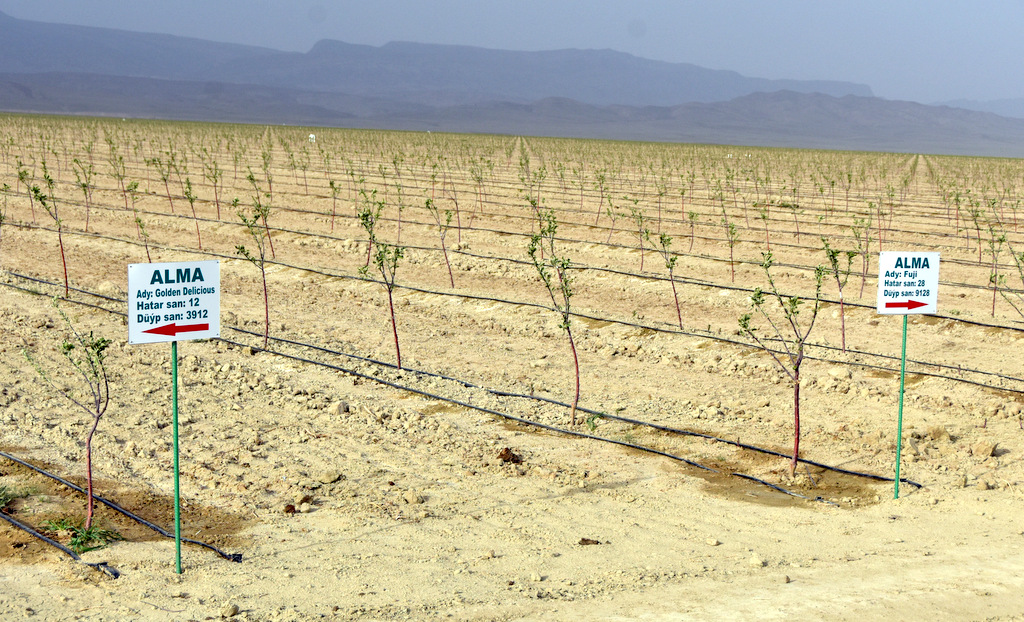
353	500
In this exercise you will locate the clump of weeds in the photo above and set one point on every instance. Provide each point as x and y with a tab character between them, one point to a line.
81	539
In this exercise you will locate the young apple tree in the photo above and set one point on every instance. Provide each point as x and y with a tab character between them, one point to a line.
48	200
840	263
788	329
553	270
90	392
385	258
258	256
663	247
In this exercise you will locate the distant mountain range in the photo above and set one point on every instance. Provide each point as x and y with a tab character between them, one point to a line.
53	68
1013	107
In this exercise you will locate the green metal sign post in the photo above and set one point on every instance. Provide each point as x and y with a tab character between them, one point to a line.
174	302
907	283
177	486
899	421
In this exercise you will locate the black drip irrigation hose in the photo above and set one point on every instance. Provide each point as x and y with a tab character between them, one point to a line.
536	398
558	430
504	394
551	401
632	324
533	398
232	557
659	329
101	566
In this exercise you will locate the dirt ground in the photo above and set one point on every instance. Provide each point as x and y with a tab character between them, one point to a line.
351	499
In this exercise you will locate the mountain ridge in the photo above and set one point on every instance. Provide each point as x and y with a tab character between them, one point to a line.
412	86
399	70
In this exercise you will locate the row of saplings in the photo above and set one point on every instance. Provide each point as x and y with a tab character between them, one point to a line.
86	353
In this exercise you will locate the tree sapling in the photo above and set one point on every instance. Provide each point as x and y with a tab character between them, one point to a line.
385	258
662	246
87	356
841	274
48	200
789	332
554	274
443	224
257	257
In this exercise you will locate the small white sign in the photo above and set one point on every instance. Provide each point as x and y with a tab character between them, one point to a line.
176	301
908	283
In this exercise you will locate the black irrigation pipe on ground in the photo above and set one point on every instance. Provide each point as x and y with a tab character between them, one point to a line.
238	556
704	238
701	257
596	413
233	557
101	566
521	420
658	329
702	335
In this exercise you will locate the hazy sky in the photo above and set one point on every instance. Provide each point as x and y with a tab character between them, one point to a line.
922	50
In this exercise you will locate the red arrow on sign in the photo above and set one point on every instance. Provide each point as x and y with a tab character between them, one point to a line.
173	329
908	305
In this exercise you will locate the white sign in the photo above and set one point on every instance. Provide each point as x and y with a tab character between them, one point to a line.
173	301
908	283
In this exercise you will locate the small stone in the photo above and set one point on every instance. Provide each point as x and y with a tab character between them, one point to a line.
840	373
288	508
712	542
984	485
305	508
328	477
229	611
535	577
506	455
938	433
338	408
785	578
984	449
107	289
413	498
755	562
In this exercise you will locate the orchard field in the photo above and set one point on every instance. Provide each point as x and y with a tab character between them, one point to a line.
462	484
